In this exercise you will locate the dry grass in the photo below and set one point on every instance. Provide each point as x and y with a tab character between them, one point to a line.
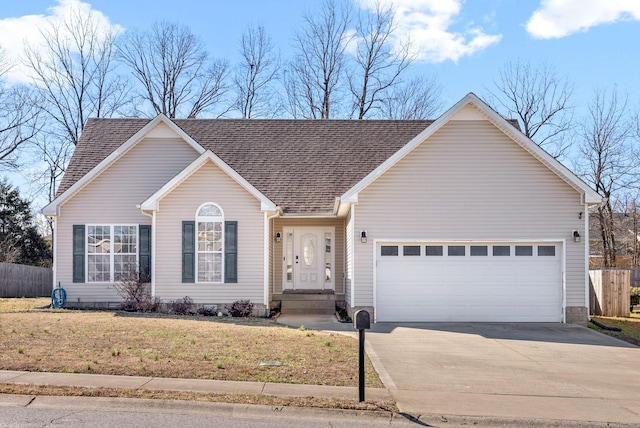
630	327
120	343
266	400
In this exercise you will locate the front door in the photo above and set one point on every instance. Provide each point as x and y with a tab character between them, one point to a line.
308	258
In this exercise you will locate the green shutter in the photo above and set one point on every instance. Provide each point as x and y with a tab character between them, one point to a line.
144	230
230	251
188	251
78	253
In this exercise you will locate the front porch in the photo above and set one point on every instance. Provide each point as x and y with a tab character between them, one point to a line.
307	265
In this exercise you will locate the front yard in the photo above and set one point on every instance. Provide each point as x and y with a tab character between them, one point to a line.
132	344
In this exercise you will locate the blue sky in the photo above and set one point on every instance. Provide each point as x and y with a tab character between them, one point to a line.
601	53
463	43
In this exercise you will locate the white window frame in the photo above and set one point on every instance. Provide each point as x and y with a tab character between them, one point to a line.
111	253
209	219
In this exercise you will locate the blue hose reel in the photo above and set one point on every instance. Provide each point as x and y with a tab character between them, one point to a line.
58	297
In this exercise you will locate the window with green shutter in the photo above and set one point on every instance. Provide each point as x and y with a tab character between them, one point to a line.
144	271
231	251
188	251
78	253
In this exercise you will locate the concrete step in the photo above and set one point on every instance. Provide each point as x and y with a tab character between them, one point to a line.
308	307
306	296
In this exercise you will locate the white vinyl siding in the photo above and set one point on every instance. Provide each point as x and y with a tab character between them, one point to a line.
110	198
469	181
209	183
349	241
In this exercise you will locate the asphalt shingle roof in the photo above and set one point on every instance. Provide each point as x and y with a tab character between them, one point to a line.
301	165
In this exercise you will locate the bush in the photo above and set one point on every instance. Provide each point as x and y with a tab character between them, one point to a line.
241	308
208	311
182	306
135	294
635	296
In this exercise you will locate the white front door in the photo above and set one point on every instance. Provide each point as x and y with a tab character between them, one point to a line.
308	258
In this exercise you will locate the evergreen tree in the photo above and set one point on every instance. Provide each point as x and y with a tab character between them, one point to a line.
20	240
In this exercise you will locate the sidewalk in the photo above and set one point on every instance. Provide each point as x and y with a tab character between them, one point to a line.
193	385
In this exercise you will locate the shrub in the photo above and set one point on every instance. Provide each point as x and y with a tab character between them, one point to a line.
241	308
135	294
208	311
182	306
635	296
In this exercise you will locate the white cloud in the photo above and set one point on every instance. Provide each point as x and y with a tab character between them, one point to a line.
560	18
16	31
427	23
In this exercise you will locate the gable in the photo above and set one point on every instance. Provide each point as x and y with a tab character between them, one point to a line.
149	157
226	175
469	169
472	110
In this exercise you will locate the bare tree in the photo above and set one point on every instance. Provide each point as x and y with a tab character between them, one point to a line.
316	72
378	63
611	161
177	76
74	72
20	118
540	99
418	98
255	75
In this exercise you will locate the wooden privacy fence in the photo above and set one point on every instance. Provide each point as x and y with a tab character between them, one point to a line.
25	281
610	292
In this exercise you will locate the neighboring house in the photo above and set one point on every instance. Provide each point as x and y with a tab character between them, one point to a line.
458	219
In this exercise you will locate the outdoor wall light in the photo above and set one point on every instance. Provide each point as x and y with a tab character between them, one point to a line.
278	237
576	236
363	236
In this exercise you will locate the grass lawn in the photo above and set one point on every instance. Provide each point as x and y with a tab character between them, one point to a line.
122	343
630	327
132	344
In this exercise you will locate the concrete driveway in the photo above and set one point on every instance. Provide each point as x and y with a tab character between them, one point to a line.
539	371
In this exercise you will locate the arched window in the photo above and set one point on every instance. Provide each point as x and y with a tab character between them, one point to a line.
210	243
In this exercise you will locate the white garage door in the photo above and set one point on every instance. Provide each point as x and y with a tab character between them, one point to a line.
484	282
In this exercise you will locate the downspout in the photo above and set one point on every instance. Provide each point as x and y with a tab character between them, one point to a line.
587	288
153	250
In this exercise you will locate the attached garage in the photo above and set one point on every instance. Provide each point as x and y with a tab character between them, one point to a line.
466	282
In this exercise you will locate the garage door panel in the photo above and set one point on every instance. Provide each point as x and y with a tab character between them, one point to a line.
469	288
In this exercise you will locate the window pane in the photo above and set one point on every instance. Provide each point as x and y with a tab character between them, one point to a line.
478	250
389	250
524	250
289	257
124	267
124	239
411	250
433	250
546	250
209	210
455	250
98	268
327	257
501	250
205	267
98	239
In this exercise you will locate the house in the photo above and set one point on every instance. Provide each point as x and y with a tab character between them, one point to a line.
458	219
